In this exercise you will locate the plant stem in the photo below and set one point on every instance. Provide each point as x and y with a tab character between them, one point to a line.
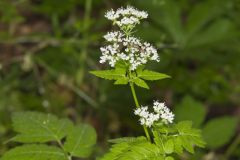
69	157
232	147
137	105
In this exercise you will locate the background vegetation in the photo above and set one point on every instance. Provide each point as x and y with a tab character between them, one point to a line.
48	47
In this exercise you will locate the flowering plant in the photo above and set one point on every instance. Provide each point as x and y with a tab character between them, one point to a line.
127	56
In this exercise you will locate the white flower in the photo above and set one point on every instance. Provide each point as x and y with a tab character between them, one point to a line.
142	112
126	16
161	112
111	15
129	49
146	118
157	106
164	112
128	11
114	36
142	121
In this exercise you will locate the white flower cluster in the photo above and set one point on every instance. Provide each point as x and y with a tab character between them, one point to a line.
165	114
126	16
127	48
123	47
161	111
146	118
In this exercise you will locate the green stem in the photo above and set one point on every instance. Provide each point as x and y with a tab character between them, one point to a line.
69	157
232	147
137	105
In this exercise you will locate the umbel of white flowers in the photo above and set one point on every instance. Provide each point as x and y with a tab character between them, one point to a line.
126	16
122	46
161	112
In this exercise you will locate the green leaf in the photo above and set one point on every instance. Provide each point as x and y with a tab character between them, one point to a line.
176	138
80	141
122	145
159	140
141	83
189	109
134	149
169	146
114	74
169	158
143	151
34	152
123	80
39	127
121	65
188	137
151	75
185	143
219	131
178	148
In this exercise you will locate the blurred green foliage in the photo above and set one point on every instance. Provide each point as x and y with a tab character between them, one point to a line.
48	47
219	131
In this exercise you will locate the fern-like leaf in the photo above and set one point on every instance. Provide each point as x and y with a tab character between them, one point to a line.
130	148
